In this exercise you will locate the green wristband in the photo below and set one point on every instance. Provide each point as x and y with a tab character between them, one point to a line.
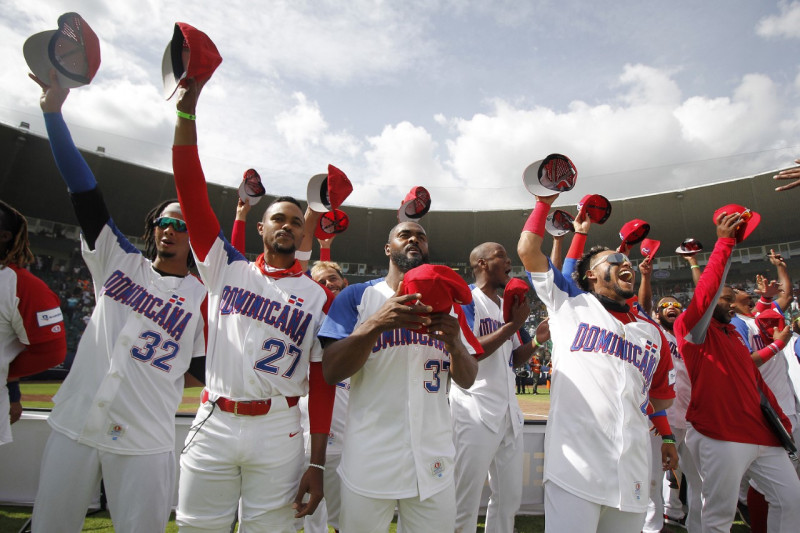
187	116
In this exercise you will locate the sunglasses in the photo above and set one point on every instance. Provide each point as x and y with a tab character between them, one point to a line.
165	222
617	258
676	305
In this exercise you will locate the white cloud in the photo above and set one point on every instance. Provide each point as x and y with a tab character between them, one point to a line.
301	125
786	24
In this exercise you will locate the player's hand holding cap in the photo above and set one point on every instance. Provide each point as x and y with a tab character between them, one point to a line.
331	223
749	220
559	223
689	247
439	285
649	247
770	323
328	191
73	50
251	189
552	175
596	206
190	54
415	205
634	231
515	289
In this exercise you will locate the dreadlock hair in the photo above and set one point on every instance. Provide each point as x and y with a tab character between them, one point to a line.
579	275
19	251
149	235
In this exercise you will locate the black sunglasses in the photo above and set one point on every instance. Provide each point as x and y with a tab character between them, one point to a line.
165	222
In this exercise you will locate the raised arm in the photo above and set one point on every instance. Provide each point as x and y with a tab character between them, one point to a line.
789	174
645	287
784	299
697	317
90	208
696	270
529	247
189	179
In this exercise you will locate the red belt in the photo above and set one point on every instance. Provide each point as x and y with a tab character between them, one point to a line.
248	408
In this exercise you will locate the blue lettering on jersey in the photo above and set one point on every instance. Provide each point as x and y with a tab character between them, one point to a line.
404	337
590	338
170	316
289	319
487	326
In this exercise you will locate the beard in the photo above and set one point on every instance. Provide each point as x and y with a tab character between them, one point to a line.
285	250
404	263
619	291
165	255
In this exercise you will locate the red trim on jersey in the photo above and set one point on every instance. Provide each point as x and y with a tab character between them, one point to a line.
292	272
190	183
320	400
468	334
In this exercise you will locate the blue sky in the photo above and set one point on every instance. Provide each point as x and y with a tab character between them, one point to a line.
456	95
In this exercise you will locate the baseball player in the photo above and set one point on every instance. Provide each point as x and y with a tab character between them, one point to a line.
487	420
32	336
114	414
327	274
607	362
398	445
262	355
728	436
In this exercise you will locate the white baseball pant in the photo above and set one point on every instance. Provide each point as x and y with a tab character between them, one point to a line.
564	511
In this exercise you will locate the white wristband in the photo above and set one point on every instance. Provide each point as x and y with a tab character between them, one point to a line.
302	255
321	467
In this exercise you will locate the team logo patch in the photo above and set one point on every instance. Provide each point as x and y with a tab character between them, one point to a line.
115	430
437	467
637	490
177	300
296	300
51	316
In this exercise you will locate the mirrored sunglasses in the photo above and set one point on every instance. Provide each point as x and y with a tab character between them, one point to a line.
676	305
165	222
617	258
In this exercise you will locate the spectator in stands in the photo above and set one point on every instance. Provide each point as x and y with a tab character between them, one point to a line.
31	327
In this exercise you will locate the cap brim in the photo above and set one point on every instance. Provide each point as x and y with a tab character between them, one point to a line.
168	73
750	227
313	193
531	180
402	213
244	197
38	59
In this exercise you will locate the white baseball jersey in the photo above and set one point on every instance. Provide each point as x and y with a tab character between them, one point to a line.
775	371
676	413
262	331
29	313
398	438
597	444
338	419
126	382
493	393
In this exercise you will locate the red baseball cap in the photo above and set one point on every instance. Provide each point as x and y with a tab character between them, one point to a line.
439	285
190	54
649	247
750	219
328	191
689	247
559	223
415	205
634	231
554	174
596	206
331	223
514	287
768	321
73	50
251	189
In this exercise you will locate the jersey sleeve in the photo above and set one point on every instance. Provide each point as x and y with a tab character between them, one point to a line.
190	183
552	288
662	387
343	314
693	323
743	330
